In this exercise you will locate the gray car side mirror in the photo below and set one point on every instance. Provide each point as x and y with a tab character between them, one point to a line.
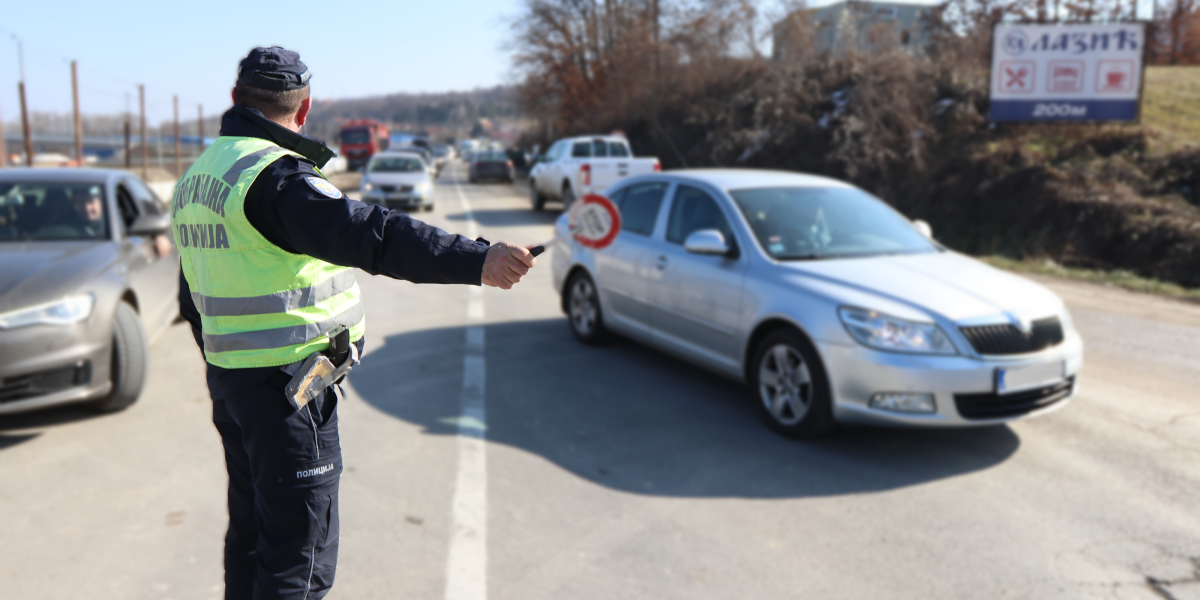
706	241
150	225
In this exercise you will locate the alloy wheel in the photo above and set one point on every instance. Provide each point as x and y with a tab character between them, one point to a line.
784	384
583	307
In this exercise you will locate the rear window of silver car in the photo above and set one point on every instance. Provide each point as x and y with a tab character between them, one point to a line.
797	223
53	211
396	165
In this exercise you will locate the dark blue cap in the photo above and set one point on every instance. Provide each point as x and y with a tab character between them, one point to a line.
273	69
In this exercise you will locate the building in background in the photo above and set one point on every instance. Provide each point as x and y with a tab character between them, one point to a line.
850	25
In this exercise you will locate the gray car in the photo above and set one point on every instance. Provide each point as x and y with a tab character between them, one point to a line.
84	284
832	306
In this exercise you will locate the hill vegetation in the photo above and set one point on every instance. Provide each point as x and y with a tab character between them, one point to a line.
910	128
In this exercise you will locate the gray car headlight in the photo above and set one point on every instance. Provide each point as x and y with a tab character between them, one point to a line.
423	188
72	309
368	186
884	332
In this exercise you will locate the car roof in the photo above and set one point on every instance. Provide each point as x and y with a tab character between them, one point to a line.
58	174
397	154
607	138
738	179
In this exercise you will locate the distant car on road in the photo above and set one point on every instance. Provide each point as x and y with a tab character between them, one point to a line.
575	167
491	164
398	179
831	305
87	277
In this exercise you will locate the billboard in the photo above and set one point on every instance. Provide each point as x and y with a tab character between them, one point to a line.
1067	72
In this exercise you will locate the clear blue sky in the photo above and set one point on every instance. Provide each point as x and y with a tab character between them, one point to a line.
192	49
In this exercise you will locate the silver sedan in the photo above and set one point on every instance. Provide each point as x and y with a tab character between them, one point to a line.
832	306
87	275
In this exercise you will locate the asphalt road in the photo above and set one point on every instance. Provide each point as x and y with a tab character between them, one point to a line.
490	455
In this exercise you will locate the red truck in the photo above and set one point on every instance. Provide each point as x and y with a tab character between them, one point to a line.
361	139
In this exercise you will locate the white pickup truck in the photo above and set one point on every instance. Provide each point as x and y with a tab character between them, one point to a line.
578	166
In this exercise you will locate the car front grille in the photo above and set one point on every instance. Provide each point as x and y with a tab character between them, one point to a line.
1007	339
995	406
391	189
30	385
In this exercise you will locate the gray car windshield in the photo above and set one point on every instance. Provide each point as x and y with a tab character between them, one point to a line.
52	211
396	165
811	223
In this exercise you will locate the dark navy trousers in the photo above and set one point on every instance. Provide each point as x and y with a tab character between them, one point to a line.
284	468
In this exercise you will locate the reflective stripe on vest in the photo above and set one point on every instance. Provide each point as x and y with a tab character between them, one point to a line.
259	305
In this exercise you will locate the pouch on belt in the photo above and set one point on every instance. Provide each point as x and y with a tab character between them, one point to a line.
318	371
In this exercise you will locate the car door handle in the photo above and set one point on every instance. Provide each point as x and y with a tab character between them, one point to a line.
661	263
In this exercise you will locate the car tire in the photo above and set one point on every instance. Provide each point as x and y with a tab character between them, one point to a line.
539	200
790	387
568	197
583	310
130	357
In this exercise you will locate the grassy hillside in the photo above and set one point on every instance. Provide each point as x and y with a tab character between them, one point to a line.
1171	104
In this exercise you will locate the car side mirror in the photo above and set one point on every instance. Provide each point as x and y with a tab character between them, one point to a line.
150	225
924	228
706	241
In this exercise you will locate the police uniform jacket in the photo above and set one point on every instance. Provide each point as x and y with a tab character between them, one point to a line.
298	218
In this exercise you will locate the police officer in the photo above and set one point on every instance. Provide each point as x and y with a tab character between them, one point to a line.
267	245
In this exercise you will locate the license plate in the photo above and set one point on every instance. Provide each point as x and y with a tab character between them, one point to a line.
1028	377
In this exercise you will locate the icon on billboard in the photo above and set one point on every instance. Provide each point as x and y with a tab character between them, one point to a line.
1015	42
1065	76
1114	76
1016	76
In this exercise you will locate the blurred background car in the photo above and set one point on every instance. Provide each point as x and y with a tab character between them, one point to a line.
398	179
88	275
492	165
575	167
832	306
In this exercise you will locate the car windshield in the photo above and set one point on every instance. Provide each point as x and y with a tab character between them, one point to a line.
492	156
799	223
356	136
52	211
396	165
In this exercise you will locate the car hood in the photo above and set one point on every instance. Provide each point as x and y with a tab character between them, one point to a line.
938	284
35	272
397	178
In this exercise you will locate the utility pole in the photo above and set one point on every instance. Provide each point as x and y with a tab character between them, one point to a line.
142	128
24	108
3	146
200	114
78	121
657	69
128	127
178	148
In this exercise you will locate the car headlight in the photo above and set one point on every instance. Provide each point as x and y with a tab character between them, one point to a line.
367	186
69	310
423	188
883	332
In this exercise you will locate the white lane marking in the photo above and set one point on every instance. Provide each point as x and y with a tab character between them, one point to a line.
466	566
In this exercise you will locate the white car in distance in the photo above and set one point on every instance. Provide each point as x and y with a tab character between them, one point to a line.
575	167
398	180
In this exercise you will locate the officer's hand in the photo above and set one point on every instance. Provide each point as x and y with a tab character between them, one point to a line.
506	264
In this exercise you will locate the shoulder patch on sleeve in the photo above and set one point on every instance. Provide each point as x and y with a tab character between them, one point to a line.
324	187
